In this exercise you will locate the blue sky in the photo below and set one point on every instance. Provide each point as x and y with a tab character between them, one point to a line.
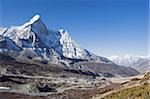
104	27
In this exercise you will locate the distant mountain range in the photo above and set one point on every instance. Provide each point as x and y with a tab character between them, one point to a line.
33	41
139	63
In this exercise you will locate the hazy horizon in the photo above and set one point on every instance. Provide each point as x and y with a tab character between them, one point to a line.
104	27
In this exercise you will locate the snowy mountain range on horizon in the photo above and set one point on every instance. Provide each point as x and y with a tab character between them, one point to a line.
140	63
128	60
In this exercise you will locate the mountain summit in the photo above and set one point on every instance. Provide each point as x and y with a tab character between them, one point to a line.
34	40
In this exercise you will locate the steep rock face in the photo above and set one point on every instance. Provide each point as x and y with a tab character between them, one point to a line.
7	44
2	30
34	39
69	48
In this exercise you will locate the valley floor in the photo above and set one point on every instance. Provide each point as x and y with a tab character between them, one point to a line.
137	87
31	81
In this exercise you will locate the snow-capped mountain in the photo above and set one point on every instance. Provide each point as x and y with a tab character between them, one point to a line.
128	60
140	63
34	40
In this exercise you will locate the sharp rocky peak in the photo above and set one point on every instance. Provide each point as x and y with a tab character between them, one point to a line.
33	20
37	40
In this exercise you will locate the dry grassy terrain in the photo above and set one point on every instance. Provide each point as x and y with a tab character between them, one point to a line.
137	87
138	92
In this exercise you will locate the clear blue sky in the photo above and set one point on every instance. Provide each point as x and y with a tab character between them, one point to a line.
104	27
